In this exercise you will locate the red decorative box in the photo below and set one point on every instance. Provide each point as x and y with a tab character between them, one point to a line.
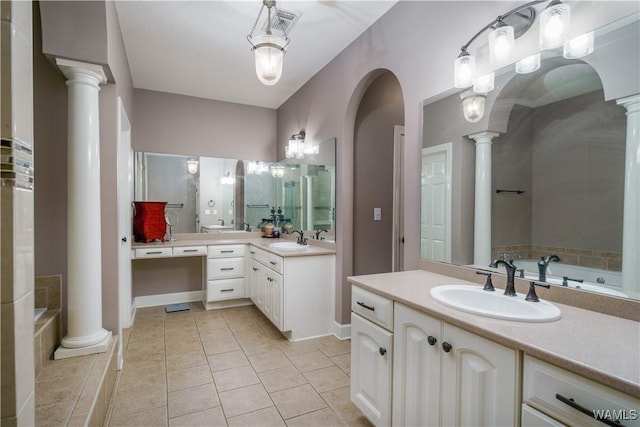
149	223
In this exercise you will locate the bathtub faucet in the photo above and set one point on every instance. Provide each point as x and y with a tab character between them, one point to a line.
510	289
543	264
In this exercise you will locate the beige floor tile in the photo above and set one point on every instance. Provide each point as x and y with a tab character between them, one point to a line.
234	359
54	415
192	399
186	360
65	367
58	390
183	346
242	324
250	335
245	399
340	401
294	348
270	360
217	335
268	417
343	361
140	399
142	376
359	421
331	349
140	345
142	359
281	378
190	377
324	417
311	361
213	417
235	378
156	417
210	325
182	334
296	401
218	347
326	379
259	347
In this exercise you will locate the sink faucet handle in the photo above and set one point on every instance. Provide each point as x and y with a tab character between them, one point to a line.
488	285
521	272
531	296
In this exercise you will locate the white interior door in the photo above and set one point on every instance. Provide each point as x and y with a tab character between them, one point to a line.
435	221
125	194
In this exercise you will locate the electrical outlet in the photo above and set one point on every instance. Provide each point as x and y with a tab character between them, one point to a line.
377	214
207	211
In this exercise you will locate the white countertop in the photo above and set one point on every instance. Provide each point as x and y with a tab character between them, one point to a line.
600	347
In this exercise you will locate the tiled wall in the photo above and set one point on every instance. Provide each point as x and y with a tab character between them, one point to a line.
583	257
48	329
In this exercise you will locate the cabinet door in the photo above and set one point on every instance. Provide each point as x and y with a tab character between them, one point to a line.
416	368
479	385
254	276
371	362
276	297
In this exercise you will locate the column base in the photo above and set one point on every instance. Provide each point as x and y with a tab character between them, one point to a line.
65	353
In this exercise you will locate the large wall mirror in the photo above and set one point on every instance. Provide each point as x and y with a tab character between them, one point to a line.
213	195
557	164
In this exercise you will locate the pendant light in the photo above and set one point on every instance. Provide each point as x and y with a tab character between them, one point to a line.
268	49
554	25
473	106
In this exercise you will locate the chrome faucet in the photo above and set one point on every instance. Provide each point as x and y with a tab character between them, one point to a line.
510	289
221	221
543	264
248	227
301	239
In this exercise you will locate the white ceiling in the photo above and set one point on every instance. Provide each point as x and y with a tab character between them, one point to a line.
200	48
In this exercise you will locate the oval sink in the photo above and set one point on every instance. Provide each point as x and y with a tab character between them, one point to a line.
473	299
288	247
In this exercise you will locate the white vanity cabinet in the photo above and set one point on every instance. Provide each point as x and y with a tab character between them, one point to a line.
294	292
225	273
371	355
443	375
551	393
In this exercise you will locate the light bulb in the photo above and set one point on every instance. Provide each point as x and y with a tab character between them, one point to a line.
501	43
579	46
554	25
269	58
528	64
464	71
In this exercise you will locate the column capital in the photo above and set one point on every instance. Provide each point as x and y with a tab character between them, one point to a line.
484	136
631	103
72	69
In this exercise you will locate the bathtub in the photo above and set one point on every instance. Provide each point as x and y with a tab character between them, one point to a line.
556	270
37	313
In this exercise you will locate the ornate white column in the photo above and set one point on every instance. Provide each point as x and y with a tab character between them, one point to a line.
85	334
482	214
631	216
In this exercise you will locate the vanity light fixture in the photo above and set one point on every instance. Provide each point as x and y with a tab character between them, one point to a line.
529	64
579	46
485	84
501	43
257	168
473	106
277	171
554	25
268	49
296	147
192	166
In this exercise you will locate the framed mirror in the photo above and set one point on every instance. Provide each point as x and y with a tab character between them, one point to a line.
556	157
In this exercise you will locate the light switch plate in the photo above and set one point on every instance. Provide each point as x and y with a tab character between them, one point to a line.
207	211
377	214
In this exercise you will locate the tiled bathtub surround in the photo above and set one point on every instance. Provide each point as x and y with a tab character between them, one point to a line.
48	292
229	367
583	257
47	331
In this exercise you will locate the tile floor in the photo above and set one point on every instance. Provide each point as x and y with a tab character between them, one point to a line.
229	367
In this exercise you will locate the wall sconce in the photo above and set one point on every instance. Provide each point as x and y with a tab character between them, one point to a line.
473	106
295	148
192	166
227	179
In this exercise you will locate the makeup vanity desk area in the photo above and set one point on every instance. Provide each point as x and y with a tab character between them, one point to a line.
293	288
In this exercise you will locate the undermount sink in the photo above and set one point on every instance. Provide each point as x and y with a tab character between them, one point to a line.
288	247
475	300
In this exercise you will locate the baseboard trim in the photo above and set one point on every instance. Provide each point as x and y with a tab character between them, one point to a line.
342	332
164	299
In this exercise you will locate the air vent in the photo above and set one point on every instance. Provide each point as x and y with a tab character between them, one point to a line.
282	21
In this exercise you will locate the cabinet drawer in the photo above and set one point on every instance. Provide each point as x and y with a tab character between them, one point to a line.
225	251
222	268
272	261
154	253
225	289
373	307
556	392
190	251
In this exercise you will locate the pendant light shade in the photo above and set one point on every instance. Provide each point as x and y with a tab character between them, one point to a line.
554	25
529	64
579	46
464	70
269	57
473	106
501	44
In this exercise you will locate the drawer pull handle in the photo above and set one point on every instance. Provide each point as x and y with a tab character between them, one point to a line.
153	253
227	252
227	269
252	252
446	347
432	340
586	411
272	262
190	250
382	351
226	290
361	304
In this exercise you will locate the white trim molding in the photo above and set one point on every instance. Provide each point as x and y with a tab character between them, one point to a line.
342	332
164	299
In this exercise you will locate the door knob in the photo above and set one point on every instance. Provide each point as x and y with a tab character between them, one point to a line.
124	239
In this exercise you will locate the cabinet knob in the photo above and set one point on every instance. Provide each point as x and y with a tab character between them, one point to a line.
432	340
124	239
382	351
446	347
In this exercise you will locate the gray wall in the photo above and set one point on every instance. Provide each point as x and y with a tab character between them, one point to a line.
167	275
178	124
380	109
